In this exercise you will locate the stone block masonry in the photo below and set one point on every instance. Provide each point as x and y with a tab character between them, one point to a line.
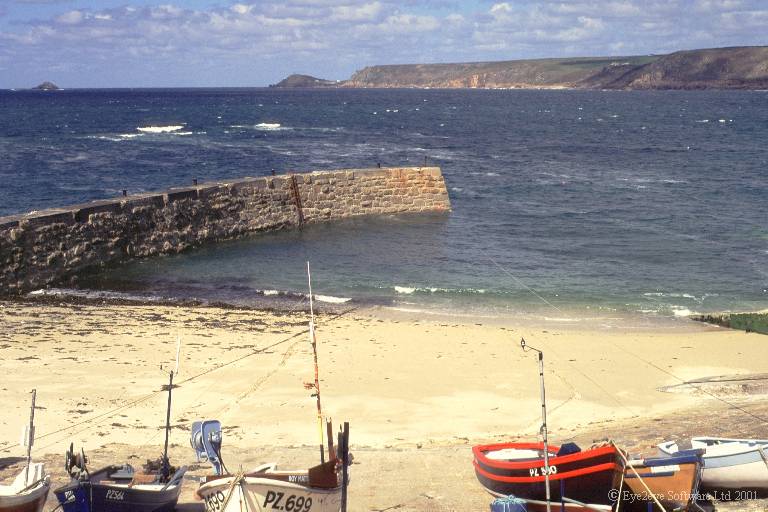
51	247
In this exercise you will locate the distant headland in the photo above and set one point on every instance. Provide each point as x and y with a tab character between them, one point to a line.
714	68
46	86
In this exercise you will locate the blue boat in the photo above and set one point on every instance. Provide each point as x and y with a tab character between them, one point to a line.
120	488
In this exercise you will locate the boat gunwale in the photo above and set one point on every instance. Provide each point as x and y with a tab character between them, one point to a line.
226	480
606	466
480	457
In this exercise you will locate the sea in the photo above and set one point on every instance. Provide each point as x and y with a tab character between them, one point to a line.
567	205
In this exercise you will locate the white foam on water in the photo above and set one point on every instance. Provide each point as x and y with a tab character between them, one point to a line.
269	126
409	290
94	294
264	127
561	320
160	129
271	292
681	312
331	299
105	137
673	294
702	120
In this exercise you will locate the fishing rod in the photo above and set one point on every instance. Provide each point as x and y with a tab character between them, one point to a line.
313	341
543	428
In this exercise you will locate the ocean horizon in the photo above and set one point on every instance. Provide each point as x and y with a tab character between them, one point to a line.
566	204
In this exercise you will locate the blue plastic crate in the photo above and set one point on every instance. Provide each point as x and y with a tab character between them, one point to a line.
508	504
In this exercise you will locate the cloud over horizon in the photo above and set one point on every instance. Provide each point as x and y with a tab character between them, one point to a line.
199	43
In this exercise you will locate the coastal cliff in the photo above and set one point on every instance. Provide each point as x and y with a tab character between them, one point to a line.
715	68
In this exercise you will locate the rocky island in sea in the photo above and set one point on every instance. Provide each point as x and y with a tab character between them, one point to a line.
46	86
714	68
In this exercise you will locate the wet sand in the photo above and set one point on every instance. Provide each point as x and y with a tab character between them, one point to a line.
417	393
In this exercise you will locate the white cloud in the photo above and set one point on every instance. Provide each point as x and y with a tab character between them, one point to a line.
347	34
70	18
501	8
366	12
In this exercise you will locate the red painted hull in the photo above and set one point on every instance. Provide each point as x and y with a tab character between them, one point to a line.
586	476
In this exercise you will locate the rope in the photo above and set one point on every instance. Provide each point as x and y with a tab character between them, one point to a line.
237	480
649	363
557	354
628	465
112	412
709	393
542	299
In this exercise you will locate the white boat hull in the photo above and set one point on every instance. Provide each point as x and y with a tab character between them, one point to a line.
32	499
254	494
730	463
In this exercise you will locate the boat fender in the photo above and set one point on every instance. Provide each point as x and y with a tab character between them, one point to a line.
568	449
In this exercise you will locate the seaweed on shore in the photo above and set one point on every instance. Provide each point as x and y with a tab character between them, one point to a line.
749	322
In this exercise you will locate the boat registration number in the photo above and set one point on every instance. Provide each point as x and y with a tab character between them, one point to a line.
215	502
542	471
114	494
273	500
288	502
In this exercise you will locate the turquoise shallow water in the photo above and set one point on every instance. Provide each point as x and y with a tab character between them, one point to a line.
565	203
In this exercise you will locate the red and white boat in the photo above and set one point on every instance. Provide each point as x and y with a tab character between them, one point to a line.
579	480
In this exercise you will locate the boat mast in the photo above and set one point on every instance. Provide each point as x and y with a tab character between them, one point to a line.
313	341
543	429
166	464
30	437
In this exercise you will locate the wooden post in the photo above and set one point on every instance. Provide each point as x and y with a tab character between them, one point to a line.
344	466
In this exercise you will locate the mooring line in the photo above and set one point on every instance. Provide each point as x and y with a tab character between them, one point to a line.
649	363
108	414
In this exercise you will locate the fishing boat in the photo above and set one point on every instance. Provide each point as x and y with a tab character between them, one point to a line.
121	488
118	488
318	489
29	490
673	480
549	477
729	463
576	478
321	488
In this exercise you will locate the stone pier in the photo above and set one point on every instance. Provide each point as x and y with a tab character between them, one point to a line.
49	247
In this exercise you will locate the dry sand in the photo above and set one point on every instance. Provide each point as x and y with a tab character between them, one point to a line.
417	393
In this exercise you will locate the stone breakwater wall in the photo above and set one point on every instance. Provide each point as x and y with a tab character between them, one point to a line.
52	246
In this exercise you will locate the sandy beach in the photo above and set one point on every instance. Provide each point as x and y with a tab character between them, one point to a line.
417	393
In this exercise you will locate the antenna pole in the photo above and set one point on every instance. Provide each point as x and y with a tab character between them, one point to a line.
313	341
543	429
30	436
166	465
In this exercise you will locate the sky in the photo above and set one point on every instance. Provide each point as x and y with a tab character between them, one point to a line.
202	43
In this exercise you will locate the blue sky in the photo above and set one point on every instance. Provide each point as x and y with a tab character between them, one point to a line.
165	43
